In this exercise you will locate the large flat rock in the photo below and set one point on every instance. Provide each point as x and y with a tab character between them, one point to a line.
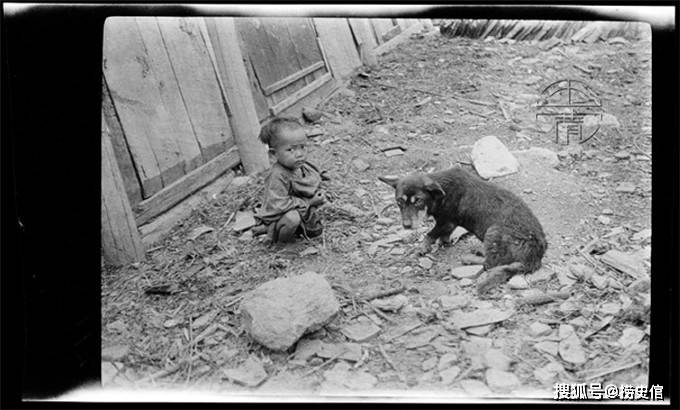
279	312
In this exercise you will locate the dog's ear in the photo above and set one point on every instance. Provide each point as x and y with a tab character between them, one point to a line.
433	187
390	180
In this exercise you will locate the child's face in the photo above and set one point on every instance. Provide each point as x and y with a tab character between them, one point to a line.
291	147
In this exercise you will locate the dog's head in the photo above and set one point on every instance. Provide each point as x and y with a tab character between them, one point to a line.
415	195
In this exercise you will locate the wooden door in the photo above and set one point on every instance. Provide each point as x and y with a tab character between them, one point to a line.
284	59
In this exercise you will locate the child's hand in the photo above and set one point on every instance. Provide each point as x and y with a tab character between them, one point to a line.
318	199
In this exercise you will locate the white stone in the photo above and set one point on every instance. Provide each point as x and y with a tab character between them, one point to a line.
518	282
495	358
492	159
277	313
466	272
539	329
500	380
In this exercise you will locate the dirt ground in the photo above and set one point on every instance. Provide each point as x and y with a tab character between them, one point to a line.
434	96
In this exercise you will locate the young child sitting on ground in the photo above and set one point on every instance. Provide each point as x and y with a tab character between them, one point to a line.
292	189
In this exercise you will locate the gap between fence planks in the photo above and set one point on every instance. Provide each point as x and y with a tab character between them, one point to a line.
185	186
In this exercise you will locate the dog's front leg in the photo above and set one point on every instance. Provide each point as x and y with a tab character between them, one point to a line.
431	237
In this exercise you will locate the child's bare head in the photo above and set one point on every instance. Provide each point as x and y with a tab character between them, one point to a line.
287	141
270	134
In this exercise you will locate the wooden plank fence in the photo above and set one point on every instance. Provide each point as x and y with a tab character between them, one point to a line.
183	100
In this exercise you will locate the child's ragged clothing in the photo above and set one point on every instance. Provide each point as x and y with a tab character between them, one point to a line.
286	190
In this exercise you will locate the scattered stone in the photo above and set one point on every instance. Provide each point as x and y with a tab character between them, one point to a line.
243	220
467	272
565	331
430	363
626	187
500	380
307	348
618	40
277	313
309	251
360	331
384	221
548	373
346	351
466	282
492	159
351	210
360	380
538	329
250	373
604	220
565	276
640	285
571	350
425	263
547	347
390	304
453	302
631	336
622	155
599	281
475	348
109	372
397	251
624	262
580	271
479	330
479	317
539	155
496	359
609	120
475	388
518	282
421	339
115	353
449	375
446	360
642	235
311	114
578	322
246	236
540	275
568	307
394	152
607	211
360	165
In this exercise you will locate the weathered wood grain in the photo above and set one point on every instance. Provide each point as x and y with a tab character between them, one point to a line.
121	242
298	95
183	187
197	83
246	125
179	129
120	149
127	75
336	38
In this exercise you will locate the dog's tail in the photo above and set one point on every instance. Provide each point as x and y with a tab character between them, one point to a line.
499	274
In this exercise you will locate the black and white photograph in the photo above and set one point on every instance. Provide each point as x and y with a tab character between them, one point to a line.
376	207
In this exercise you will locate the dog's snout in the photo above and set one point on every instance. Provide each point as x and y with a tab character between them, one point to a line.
407	224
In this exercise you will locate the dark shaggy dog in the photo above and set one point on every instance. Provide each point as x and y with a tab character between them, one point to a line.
513	238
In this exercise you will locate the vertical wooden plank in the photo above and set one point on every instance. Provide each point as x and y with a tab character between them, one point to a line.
180	129
229	59
362	31
197	83
336	38
120	149
285	59
126	73
121	242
